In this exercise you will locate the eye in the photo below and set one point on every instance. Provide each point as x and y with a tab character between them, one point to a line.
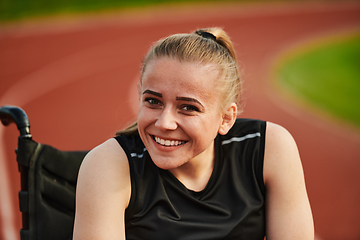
190	108
152	102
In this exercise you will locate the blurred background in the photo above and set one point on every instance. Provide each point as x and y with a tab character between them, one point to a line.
73	66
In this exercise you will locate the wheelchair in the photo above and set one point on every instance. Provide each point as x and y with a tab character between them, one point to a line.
48	182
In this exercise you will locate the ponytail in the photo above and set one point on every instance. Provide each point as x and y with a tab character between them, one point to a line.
130	130
222	39
231	83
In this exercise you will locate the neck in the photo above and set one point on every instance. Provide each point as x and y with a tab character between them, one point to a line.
196	173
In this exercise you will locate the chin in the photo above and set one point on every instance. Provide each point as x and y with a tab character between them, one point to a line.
167	163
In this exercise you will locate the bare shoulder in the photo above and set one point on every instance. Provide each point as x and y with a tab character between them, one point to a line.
278	135
109	152
103	193
280	151
107	161
288	211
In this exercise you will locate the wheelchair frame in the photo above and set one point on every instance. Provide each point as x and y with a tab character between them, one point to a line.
48	182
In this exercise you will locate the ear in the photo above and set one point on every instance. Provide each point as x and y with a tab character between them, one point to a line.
228	119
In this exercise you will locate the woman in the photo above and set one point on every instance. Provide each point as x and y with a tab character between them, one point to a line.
189	169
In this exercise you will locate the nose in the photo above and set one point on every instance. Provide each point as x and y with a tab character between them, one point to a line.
167	120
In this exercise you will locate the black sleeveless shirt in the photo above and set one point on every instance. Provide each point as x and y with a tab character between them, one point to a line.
232	205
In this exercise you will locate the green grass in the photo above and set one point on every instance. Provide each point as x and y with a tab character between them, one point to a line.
327	77
22	9
11	10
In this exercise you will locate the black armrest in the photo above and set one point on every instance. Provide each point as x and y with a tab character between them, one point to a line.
13	114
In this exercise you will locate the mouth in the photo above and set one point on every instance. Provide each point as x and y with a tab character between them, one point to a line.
167	142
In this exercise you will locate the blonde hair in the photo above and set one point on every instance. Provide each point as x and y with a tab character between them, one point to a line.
211	45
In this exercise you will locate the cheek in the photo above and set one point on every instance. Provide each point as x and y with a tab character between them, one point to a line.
146	117
212	121
143	113
142	118
203	130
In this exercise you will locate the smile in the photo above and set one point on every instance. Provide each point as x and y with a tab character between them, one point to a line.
168	143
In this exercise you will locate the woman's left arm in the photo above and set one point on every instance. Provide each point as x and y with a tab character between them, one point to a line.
288	212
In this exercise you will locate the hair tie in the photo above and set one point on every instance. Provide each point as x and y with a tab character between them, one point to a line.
205	34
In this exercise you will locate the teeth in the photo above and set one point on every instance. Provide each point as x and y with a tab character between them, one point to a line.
168	143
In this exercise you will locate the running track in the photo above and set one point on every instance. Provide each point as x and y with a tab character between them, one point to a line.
76	80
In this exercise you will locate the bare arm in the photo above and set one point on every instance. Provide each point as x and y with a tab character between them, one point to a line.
287	206
103	193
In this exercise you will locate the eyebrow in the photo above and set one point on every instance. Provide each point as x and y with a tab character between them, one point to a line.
186	99
153	93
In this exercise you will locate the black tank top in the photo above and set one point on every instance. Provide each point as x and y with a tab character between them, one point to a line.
232	205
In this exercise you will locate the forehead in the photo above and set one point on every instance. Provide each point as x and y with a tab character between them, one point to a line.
168	74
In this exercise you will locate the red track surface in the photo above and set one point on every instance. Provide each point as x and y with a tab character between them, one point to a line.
76	79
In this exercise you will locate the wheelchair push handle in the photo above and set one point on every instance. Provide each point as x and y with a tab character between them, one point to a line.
13	114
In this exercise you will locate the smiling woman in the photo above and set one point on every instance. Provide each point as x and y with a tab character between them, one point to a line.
183	111
189	169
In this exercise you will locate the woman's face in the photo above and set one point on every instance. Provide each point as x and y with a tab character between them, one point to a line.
179	114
